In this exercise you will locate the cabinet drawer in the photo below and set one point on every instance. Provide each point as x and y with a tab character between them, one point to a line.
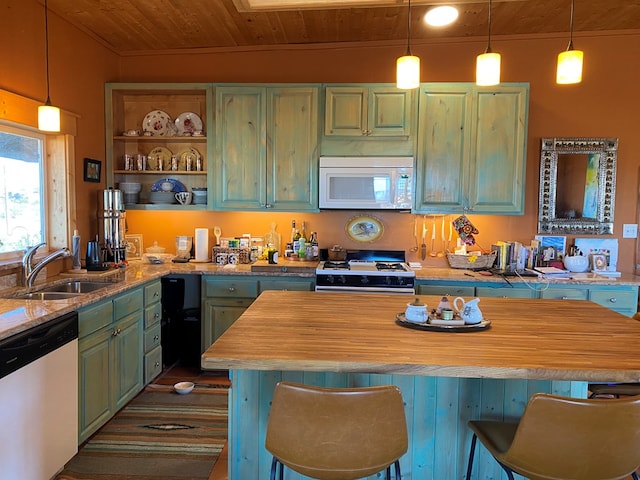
504	292
152	364
294	285
564	293
127	303
221	287
94	318
152	293
616	298
152	338
152	315
450	290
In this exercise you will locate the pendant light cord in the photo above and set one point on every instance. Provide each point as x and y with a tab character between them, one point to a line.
409	30
570	46
488	50
46	43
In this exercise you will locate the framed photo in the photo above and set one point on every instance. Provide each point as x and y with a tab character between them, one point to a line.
599	262
92	170
134	246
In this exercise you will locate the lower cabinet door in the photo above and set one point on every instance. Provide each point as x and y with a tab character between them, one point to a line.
94	383
152	364
128	354
217	318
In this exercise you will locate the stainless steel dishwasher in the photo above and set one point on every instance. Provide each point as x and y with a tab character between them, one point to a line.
39	400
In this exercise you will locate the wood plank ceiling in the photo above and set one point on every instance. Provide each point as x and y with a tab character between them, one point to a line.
136	26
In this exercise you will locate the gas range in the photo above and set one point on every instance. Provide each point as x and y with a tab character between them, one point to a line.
367	271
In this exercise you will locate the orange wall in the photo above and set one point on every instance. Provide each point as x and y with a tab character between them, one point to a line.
605	104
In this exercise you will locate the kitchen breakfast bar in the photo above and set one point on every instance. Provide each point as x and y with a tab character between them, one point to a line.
446	378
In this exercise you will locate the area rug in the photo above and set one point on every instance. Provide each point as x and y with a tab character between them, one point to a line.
160	435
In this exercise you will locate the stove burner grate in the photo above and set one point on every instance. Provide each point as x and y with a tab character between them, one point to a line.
333	265
390	266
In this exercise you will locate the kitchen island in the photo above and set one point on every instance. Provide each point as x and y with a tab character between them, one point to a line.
446	378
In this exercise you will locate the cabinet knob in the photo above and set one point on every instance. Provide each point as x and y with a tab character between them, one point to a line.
156	338
232	289
116	332
268	205
564	297
156	315
613	299
156	294
157	364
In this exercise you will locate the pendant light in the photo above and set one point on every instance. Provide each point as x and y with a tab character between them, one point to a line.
488	63
48	115
569	68
408	66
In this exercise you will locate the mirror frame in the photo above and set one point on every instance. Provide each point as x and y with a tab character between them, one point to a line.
548	222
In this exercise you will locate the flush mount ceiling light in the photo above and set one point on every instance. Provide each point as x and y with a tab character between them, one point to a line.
569	68
48	115
441	16
408	66
488	63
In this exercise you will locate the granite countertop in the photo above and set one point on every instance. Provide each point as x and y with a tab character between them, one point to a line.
18	315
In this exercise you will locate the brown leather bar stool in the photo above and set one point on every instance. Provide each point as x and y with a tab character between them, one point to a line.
559	438
336	433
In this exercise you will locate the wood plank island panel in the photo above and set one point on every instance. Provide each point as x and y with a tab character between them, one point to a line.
336	332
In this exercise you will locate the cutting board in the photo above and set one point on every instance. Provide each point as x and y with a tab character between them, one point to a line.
290	266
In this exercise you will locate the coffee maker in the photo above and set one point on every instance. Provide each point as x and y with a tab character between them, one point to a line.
112	225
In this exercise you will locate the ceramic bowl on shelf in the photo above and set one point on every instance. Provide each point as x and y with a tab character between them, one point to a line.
162	197
576	263
130	187
183	387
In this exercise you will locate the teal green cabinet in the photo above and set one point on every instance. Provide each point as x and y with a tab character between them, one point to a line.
367	111
266	148
471	148
152	331
110	348
226	297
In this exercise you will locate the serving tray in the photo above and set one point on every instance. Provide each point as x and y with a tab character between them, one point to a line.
403	322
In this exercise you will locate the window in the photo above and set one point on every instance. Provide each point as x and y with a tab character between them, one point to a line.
22	191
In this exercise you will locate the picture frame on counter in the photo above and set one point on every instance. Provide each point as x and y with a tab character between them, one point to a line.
134	246
92	170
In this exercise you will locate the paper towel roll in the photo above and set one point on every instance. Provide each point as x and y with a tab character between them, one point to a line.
202	244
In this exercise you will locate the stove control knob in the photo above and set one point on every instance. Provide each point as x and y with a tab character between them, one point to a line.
330	279
342	279
364	280
388	280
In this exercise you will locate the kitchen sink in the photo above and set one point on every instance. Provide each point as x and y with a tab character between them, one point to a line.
45	296
75	287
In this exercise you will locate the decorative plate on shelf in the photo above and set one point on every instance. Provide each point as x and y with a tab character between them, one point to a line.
364	228
183	159
177	186
158	123
187	123
157	155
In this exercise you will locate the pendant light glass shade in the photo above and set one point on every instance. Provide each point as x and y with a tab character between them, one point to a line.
488	69
569	68
408	66
408	72
48	116
488	63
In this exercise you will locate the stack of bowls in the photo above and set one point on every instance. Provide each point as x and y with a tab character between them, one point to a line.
199	195
162	197
130	192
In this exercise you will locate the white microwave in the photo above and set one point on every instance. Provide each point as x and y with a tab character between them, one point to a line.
366	183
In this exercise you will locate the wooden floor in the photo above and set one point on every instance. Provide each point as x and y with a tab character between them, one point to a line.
178	373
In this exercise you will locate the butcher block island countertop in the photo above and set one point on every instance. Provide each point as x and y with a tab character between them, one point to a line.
337	332
446	379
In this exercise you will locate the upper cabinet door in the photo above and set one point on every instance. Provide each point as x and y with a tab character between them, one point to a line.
443	148
471	149
240	174
362	111
497	176
292	148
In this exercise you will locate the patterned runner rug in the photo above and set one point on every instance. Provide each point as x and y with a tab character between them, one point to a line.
160	435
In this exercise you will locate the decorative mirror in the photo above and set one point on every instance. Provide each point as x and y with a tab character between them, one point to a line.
577	185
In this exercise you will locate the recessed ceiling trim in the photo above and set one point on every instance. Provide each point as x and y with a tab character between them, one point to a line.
273	5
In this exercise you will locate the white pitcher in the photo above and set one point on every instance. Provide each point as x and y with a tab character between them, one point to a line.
468	311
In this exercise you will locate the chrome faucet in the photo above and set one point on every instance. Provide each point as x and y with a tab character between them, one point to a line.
30	271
